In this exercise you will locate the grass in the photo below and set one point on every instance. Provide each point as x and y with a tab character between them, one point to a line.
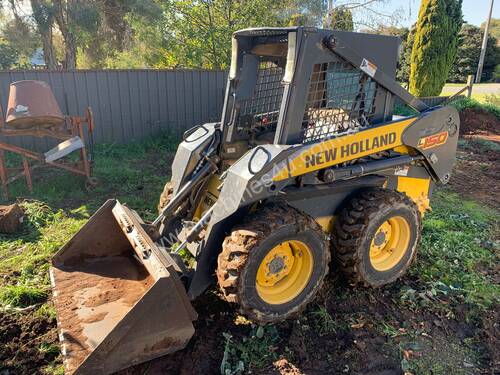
22	295
463	84
324	322
458	253
132	173
456	261
59	206
251	352
482	98
56	210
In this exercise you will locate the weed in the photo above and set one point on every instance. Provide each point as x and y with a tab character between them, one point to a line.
230	352
251	352
390	331
53	369
21	295
46	311
477	145
324	322
49	349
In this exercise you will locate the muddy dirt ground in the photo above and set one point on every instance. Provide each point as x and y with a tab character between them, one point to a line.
21	337
359	340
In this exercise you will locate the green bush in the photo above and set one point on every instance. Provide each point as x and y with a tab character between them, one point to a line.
465	103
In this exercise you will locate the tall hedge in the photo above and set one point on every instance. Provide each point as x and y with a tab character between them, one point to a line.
435	46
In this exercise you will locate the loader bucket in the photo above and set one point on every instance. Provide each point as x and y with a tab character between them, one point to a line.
118	298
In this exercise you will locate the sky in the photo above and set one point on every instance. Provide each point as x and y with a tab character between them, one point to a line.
474	11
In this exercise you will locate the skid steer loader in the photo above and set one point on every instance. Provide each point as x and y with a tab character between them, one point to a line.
307	163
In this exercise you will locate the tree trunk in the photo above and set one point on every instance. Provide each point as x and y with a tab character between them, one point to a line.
63	20
49	55
44	22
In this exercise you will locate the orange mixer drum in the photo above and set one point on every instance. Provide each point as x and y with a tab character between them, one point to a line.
32	105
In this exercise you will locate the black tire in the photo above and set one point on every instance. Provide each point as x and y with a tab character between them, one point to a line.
165	196
357	226
245	249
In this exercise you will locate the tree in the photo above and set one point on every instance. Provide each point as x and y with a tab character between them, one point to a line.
435	46
298	19
469	49
8	55
494	29
341	19
303	12
198	34
21	39
403	72
128	31
406	37
368	15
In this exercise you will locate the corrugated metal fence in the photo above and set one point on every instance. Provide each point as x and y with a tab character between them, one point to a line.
129	104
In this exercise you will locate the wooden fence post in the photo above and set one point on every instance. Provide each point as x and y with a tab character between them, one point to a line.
470	84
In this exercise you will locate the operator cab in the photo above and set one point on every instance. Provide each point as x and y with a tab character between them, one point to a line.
286	87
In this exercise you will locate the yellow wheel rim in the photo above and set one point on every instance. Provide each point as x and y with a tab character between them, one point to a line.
284	272
390	243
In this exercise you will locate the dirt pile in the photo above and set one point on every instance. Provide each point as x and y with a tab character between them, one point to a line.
92	298
478	122
11	218
476	172
27	343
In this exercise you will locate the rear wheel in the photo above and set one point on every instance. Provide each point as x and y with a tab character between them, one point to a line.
273	264
376	237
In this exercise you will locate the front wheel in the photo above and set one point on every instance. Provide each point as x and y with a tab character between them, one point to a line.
274	264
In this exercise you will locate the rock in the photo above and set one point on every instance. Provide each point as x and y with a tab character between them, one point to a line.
11	218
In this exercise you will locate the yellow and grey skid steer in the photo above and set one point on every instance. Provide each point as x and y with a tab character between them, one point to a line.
307	164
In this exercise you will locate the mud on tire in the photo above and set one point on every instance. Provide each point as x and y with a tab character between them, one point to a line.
248	244
356	227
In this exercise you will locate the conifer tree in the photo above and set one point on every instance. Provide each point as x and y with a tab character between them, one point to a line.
435	46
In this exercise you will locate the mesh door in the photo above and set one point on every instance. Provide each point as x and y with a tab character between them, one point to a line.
340	98
263	107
